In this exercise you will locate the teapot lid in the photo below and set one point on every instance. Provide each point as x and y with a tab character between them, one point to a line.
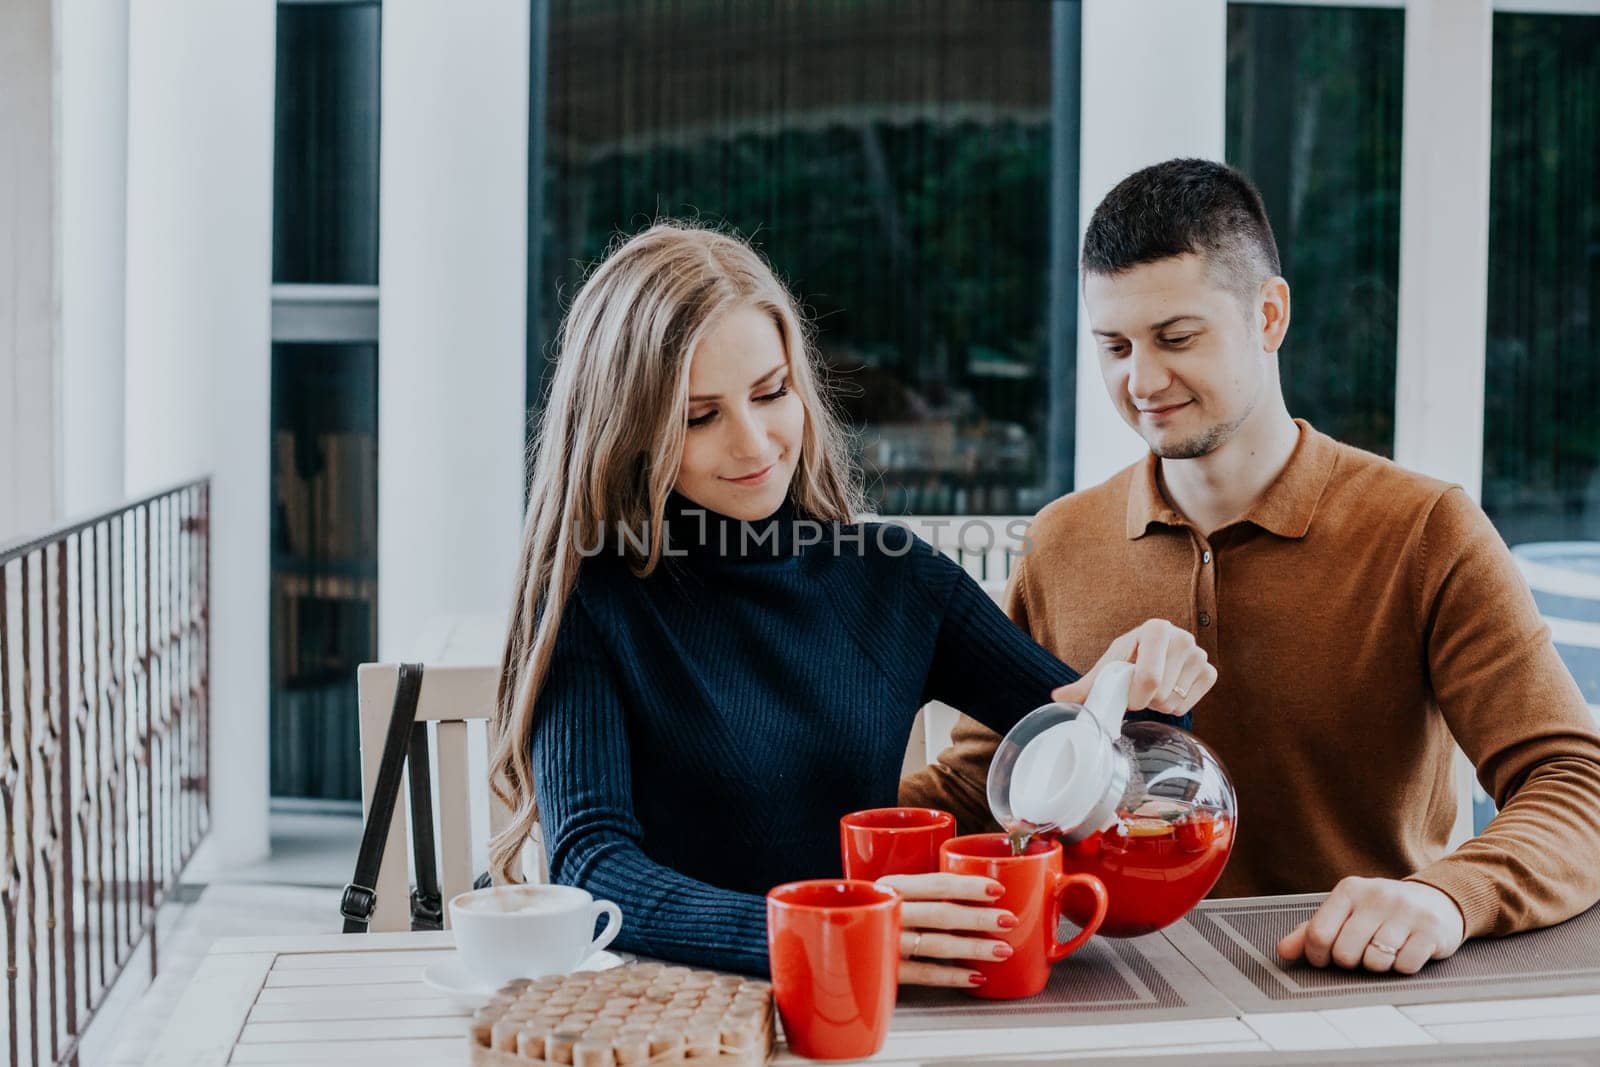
1061	775
1065	776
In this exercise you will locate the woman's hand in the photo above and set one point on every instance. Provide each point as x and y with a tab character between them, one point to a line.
948	917
1170	672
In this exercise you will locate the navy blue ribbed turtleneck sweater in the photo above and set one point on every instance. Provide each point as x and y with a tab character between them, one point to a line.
702	730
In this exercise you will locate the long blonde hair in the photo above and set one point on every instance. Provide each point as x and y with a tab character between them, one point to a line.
607	447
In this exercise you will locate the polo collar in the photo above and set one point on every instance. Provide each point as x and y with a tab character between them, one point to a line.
1285	509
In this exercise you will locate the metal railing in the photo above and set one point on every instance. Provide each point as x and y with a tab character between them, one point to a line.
105	647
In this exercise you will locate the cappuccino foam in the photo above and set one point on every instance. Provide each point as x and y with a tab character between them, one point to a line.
521	900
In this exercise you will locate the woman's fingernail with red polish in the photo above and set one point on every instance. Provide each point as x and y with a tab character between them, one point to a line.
995	890
977	979
1002	951
1006	922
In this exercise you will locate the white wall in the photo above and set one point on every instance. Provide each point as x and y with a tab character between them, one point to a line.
94	170
452	317
1444	240
1154	81
200	111
29	268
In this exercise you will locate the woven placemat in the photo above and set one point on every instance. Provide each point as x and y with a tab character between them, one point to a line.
1107	981
1581	1052
1233	942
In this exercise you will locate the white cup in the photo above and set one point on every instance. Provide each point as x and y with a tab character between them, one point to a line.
528	931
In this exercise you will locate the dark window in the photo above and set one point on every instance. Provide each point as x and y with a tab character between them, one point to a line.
324	562
1541	437
1313	115
324	471
325	159
894	160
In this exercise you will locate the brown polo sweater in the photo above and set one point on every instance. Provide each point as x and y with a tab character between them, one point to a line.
1359	616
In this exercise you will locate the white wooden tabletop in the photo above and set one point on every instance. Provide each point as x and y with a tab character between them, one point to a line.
359	999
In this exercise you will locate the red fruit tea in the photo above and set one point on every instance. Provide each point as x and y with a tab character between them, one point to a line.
1154	869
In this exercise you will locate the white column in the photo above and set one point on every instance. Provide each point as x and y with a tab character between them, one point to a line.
1444	259
199	217
94	177
1154	77
29	264
452	314
1444	240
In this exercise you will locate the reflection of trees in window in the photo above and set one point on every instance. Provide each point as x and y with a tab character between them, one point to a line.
1313	113
1541	463
892	160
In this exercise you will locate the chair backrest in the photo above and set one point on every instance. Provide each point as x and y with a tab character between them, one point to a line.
986	547
451	697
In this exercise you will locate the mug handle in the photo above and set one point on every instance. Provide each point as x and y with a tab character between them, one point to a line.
612	927
1061	883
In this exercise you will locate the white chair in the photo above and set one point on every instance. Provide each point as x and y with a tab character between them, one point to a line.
986	547
451	698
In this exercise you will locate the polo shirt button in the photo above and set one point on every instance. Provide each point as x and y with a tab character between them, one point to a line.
1205	620
1205	557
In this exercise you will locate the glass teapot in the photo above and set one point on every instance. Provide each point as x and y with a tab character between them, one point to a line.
1145	807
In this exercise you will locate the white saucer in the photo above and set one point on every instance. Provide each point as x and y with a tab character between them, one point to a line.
450	977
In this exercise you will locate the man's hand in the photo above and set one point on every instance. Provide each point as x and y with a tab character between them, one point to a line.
1379	924
1170	672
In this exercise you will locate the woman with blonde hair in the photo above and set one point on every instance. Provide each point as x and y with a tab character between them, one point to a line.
709	659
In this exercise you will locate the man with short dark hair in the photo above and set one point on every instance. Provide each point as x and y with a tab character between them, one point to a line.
1360	616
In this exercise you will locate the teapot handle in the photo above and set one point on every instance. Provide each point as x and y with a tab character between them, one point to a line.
1060	950
1108	699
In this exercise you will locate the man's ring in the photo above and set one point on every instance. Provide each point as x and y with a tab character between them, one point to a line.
1182	691
1385	949
916	942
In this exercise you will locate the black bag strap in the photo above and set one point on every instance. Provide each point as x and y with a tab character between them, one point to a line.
361	895
427	909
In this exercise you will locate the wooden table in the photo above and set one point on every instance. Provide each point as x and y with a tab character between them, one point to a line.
359	999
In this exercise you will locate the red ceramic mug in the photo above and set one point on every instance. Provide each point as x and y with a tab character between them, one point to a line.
835	948
1034	889
882	841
